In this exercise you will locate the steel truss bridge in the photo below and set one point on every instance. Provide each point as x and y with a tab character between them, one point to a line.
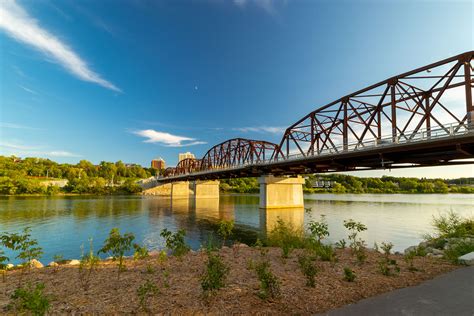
424	117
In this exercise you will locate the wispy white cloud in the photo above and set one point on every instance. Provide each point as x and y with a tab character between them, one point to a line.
167	139
28	90
10	148
261	129
16	126
16	22
267	5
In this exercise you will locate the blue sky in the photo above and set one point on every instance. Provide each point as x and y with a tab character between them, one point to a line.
133	80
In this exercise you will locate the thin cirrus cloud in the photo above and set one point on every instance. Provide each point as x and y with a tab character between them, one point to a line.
266	5
261	129
8	148
16	23
167	139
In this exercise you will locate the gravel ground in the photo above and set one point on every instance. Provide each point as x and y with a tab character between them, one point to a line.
109	295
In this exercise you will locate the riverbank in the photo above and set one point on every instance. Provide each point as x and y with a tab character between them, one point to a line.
178	282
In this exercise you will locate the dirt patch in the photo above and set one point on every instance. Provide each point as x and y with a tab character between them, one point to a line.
178	281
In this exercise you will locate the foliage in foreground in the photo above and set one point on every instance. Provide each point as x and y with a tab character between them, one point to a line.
269	283
215	274
175	242
349	274
308	269
144	292
287	237
117	245
87	266
30	299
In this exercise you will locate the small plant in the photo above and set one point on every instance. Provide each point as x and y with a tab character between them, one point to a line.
150	269
144	292
341	244
225	230
388	267
458	249
386	248
141	252
87	265
259	245
324	252
269	283
349	274
30	299
166	275
285	236
357	245
117	245
175	242
409	258
308	269
3	264
452	225
26	247
58	258
376	246
162	257
215	274
210	244
318	230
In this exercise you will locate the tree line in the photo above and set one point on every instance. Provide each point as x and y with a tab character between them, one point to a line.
338	183
32	175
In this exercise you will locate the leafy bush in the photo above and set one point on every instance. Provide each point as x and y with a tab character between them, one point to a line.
3	264
308	269
30	299
88	264
141	252
458	249
318	230
357	244
386	248
26	247
285	236
269	283
452	225
409	258
349	274
225	230
388	267
215	274
175	241
117	245
341	244
324	252
145	291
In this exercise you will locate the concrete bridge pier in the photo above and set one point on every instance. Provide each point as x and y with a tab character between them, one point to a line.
281	192
207	189
180	190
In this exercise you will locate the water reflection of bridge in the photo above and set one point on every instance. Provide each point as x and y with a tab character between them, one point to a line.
204	215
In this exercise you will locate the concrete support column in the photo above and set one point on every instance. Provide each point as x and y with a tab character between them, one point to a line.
279	192
206	189
159	190
180	190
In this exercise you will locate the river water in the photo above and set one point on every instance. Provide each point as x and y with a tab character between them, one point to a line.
63	224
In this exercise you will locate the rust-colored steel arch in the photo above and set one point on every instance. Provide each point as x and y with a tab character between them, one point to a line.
169	172
420	104
237	152
187	166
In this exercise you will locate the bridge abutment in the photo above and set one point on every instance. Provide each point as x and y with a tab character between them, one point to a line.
281	192
206	189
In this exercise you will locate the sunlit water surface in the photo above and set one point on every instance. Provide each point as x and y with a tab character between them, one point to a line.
63	224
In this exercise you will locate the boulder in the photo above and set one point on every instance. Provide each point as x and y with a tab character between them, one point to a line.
36	264
467	259
53	264
410	249
10	266
74	262
437	252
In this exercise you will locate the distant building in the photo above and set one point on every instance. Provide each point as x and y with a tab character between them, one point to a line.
185	156
131	165
158	164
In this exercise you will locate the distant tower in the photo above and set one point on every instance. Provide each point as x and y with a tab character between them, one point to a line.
158	164
185	156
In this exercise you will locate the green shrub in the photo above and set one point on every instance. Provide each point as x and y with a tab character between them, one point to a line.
3	264
285	236
349	274
388	267
457	250
341	244
215	274
26	247
30	299
357	244
308	269
175	242
452	225
225	230
144	292
141	252
269	283
386	248
117	245
409	258
324	252
318	230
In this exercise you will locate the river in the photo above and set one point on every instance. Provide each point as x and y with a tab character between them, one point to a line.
63	223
